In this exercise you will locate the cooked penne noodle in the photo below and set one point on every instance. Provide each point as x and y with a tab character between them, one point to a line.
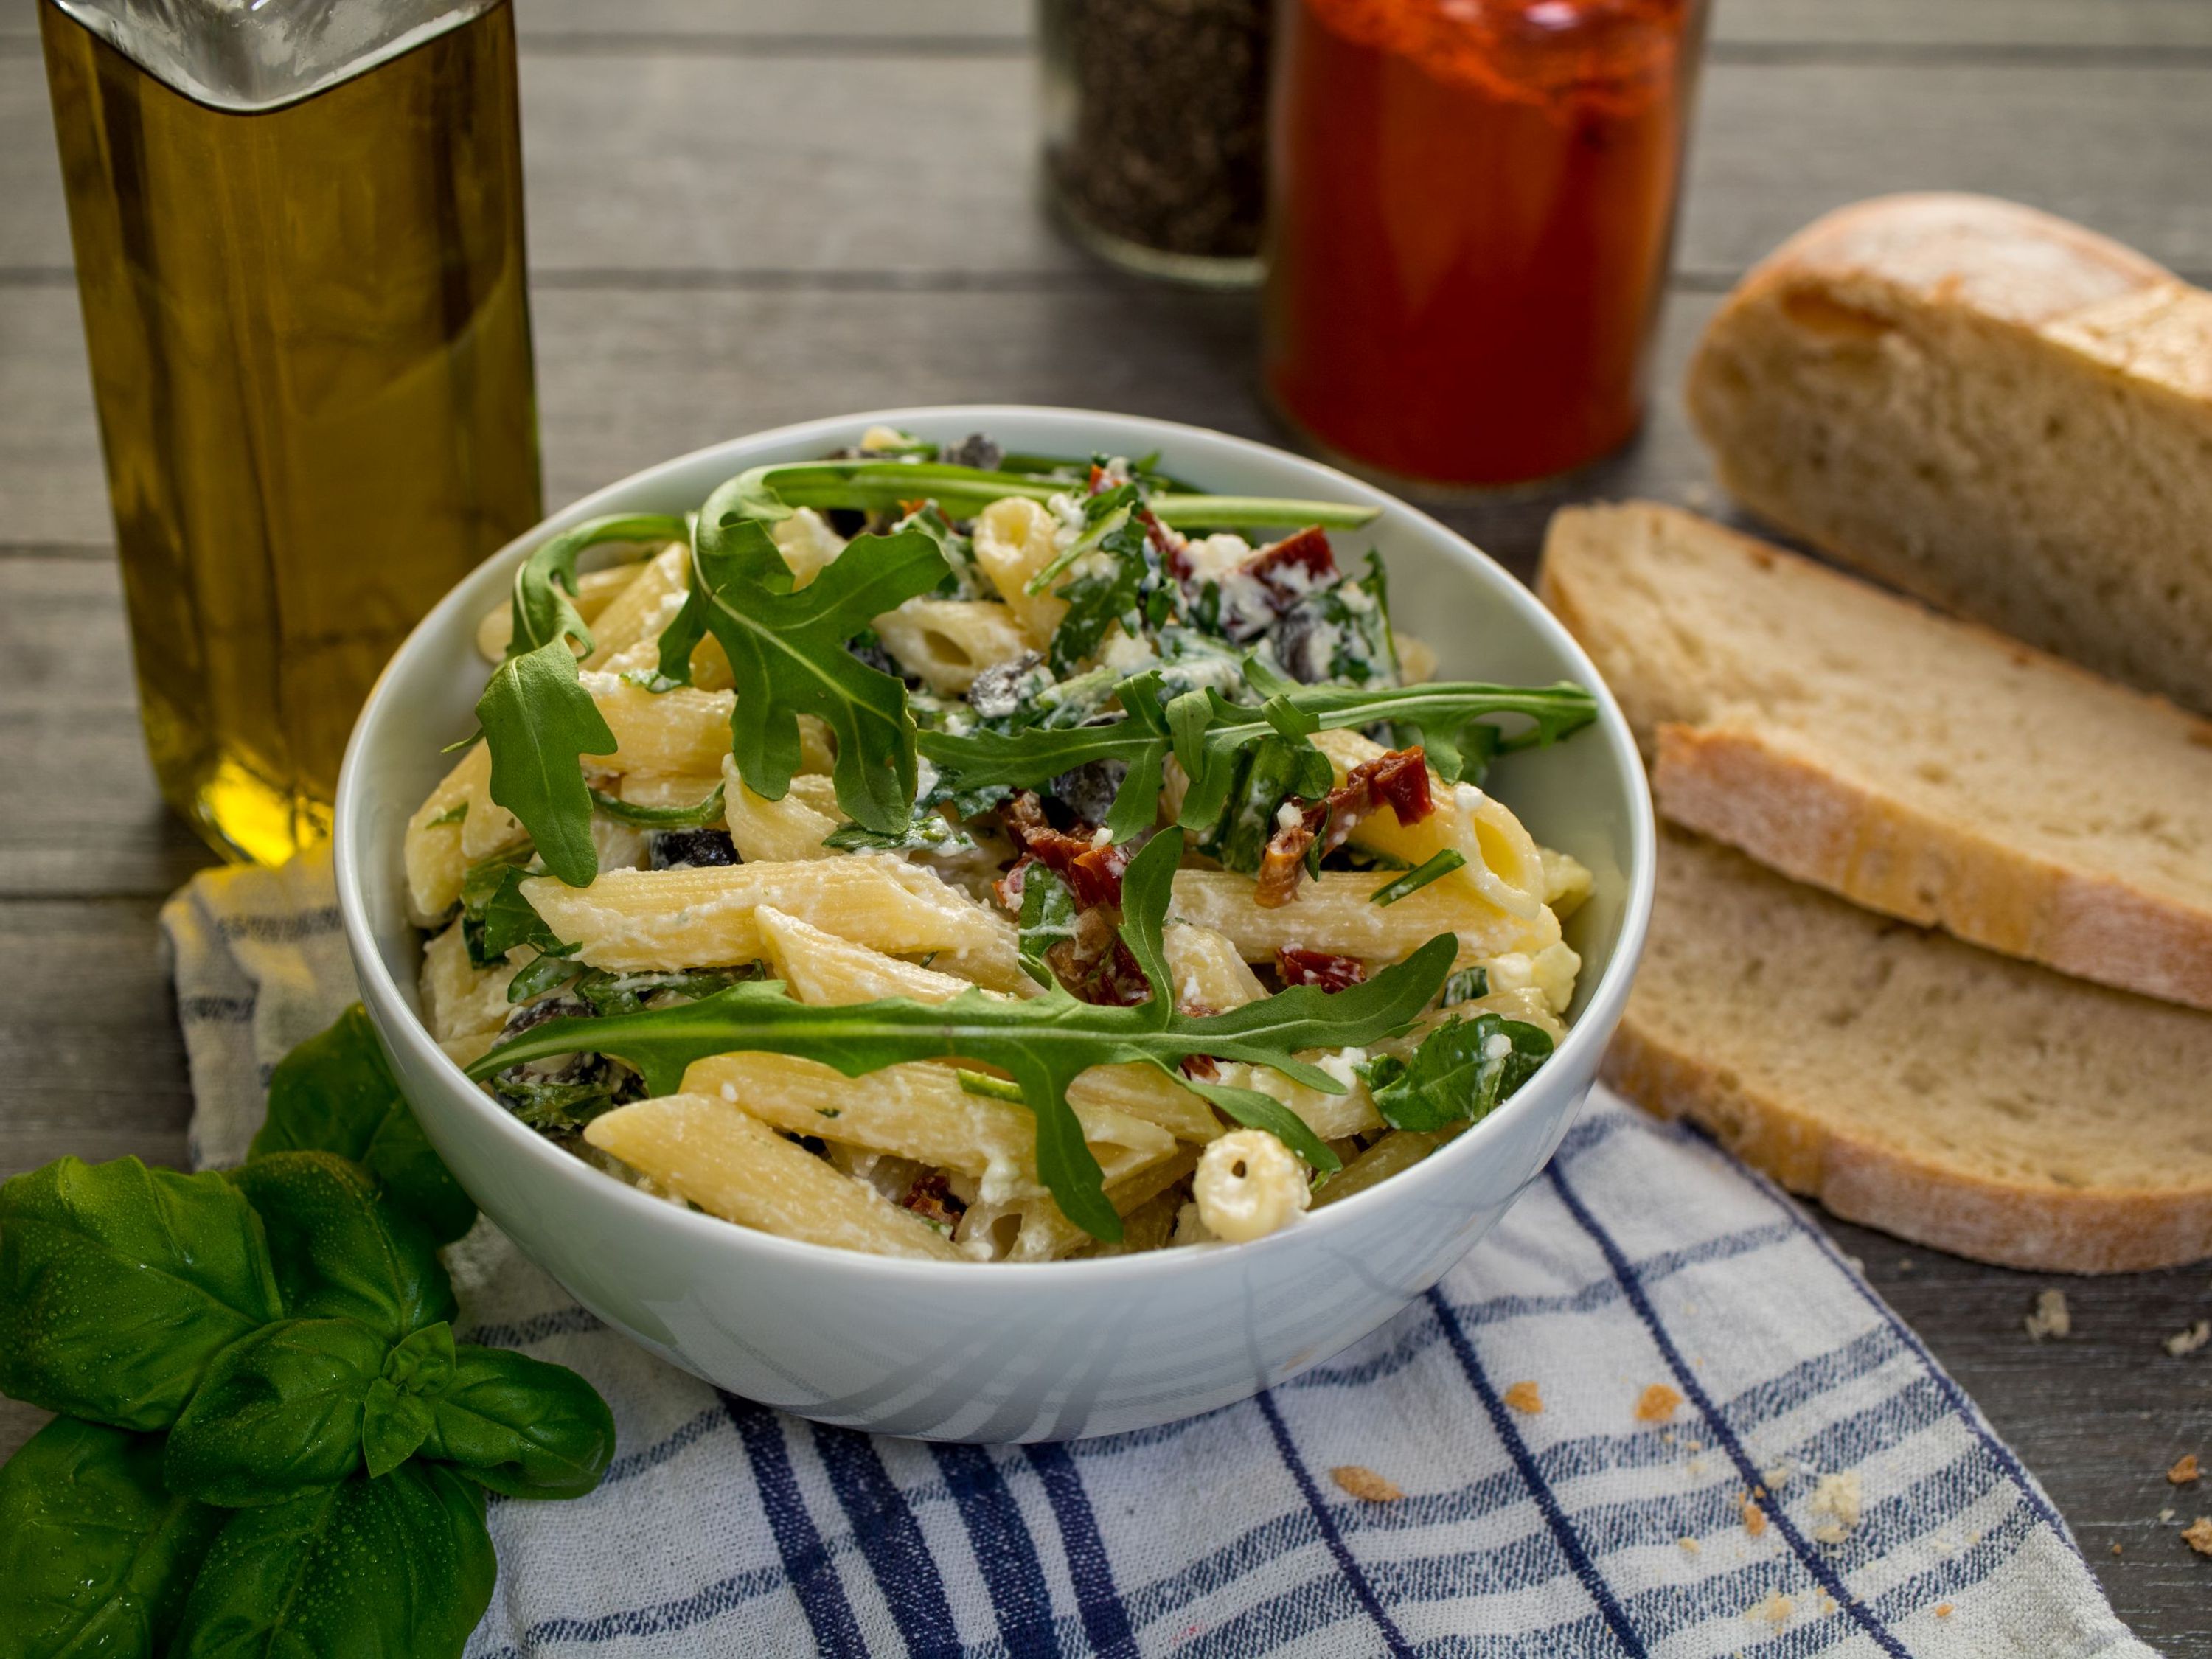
1567	882
1209	971
459	999
919	1110
686	730
644	607
1400	1149
949	642
807	542
595	590
1503	866
731	1164
791	831
820	968
1330	1116
1015	539
636	920
1034	1229
1336	913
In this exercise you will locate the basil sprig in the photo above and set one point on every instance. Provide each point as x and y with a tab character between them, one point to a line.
269	1440
1044	1043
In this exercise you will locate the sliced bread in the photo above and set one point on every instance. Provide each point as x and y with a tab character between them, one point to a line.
1955	1097
1996	410
1924	768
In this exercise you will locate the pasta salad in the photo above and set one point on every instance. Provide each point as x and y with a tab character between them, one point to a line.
968	856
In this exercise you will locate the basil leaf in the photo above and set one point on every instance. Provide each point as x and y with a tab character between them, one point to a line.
1431	869
539	721
1462	1071
521	1425
96	1555
334	1093
279	1413
393	1426
341	1252
395	1568
119	1284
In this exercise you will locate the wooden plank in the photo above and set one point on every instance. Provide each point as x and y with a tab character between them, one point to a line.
2097	1416
925	172
89	1037
18	1423
81	815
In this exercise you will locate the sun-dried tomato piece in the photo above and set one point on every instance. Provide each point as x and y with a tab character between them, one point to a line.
1204	1067
1093	870
1289	567
1399	781
1106	975
931	1198
1282	866
1329	972
1094	875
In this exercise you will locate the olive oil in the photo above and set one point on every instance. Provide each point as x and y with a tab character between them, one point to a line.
310	347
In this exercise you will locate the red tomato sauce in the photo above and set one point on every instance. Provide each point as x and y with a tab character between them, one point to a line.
1472	205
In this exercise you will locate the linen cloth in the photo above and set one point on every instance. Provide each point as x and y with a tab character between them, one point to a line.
1890	1519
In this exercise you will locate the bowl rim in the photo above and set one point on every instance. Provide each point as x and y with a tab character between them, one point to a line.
382	993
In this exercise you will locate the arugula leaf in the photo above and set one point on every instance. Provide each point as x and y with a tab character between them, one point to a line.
1431	869
340	1252
1462	1071
1049	913
334	1093
1096	602
96	1555
543	604
120	1284
1465	985
398	1565
539	721
1044	1043
925	832
519	1426
786	647
707	811
510	920
279	1414
1210	736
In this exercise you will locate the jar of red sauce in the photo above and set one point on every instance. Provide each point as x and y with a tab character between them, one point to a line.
1470	213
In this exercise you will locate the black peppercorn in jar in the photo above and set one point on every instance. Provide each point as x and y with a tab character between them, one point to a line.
1155	132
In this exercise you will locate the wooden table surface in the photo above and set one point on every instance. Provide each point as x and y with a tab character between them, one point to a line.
746	213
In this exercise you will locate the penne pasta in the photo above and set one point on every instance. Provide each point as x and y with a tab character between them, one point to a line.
1209	972
1015	539
1034	1229
948	642
686	730
595	590
1335	912
791	831
460	999
638	919
647	605
1503	866
731	1164
919	1110
822	968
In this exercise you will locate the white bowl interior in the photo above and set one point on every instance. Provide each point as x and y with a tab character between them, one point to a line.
1587	797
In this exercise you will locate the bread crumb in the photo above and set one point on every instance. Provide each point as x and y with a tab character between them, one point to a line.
1365	1485
1754	1518
2199	1535
1837	1502
1524	1397
1942	1609
2116	1549
2166	1514
1690	1545
2050	1317
2189	1341
1904	1264
1657	1404
2184	1470
1776	1478
1775	1609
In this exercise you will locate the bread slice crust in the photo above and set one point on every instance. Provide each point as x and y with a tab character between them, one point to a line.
1888	1106
1995	410
1748	750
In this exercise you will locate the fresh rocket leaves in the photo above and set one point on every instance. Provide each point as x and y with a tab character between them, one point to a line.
334	1094
1049	917
540	720
543	606
1462	1071
1044	1043
706	812
120	1284
786	645
96	1554
1212	737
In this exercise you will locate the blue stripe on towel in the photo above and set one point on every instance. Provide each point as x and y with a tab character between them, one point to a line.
890	1539
1105	1619
1004	1552
1327	1526
813	1575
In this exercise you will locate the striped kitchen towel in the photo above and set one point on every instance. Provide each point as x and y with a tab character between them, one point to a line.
1654	1413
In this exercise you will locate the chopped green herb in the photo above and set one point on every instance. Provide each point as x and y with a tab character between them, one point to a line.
454	814
697	817
993	1088
1413	880
1465	985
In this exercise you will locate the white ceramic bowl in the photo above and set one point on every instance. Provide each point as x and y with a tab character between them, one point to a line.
1001	1352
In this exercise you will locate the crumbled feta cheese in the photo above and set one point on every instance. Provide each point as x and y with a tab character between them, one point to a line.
925	776
1126	655
1514	971
1214	556
1067	507
1344	1065
1497	1047
1190	988
1356	598
1101	837
1466	797
1287	816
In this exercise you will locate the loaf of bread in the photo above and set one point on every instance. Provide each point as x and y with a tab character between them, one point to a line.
1925	768
1952	1096
1995	410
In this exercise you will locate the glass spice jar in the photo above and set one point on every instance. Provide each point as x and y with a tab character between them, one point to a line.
1471	210
1155	132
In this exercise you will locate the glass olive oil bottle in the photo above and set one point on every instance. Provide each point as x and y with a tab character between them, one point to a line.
298	229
